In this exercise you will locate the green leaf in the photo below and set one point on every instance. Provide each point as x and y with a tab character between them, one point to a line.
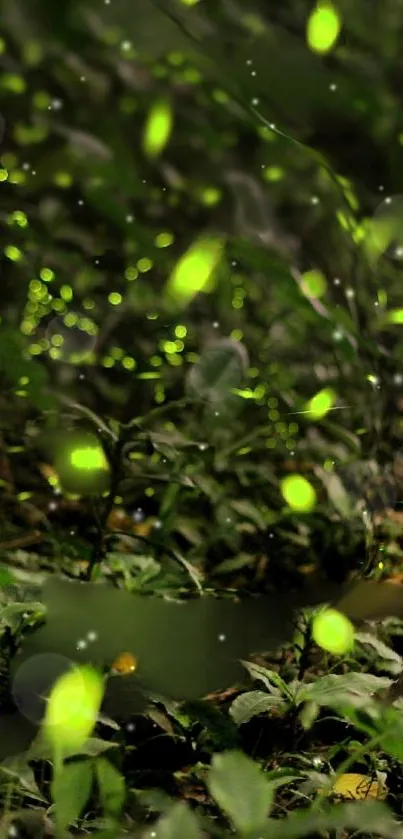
6	577
272	681
251	704
41	750
391	660
336	491
111	784
19	609
18	769
180	822
220	368
247	510
239	787
349	689
71	789
363	816
234	563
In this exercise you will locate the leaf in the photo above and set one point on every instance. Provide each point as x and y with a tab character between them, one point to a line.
391	660
336	491
112	788
365	817
6	577
309	714
240	789
248	510
18	769
352	785
71	788
19	608
251	704
180	822
234	563
220	368
344	434
41	750
270	678
349	689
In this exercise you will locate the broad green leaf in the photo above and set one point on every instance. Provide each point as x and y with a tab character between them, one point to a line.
251	704
71	789
364	817
111	785
179	823
272	681
240	789
350	689
391	660
336	491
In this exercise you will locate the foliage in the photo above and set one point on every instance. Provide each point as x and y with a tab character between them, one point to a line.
200	366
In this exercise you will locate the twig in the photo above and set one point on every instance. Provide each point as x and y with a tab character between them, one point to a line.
22	542
101	523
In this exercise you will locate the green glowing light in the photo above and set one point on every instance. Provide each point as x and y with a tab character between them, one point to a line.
128	363
273	174
163	240
41	100
18	217
131	273
81	464
210	196
72	708
332	631
47	275
395	316
195	270
13	83
144	264
298	493
313	284
321	403
33	53
115	298
17	176
158	128
88	458
192	76
63	180
66	293
13	253
323	28
220	96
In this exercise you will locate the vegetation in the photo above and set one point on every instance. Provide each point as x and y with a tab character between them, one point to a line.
202	235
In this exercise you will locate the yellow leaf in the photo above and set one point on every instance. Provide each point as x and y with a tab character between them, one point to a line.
352	785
